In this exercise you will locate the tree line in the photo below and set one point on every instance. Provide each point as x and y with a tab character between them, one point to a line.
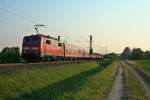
10	55
135	54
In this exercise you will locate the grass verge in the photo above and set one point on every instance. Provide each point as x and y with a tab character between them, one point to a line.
77	81
133	88
143	66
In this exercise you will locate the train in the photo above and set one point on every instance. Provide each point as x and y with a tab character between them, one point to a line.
41	47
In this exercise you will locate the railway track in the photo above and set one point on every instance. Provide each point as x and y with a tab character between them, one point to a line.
18	66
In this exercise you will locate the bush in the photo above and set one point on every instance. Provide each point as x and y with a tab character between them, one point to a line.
111	56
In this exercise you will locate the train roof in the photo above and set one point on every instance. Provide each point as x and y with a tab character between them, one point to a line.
46	36
94	53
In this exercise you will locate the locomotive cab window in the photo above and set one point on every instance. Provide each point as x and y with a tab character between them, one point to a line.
48	42
27	39
31	39
35	39
60	44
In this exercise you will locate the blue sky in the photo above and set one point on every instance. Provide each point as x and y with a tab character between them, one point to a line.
113	23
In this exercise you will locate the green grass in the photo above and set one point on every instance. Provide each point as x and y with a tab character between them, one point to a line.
144	67
133	88
144	64
67	82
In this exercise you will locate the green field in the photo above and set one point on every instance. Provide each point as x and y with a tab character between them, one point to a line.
86	81
144	67
145	64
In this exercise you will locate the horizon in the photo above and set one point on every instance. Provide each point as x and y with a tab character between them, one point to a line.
113	24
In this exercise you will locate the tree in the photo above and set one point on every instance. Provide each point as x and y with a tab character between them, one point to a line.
10	55
137	53
126	54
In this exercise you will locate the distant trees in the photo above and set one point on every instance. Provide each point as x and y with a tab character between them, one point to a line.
136	53
10	55
112	56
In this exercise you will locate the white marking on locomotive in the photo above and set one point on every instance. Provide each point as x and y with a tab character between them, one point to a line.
30	48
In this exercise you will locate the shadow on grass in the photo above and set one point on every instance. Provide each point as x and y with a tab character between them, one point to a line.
65	88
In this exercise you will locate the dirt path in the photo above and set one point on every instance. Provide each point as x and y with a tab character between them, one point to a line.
145	85
117	91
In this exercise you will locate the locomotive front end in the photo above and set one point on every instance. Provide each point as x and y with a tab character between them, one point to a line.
31	48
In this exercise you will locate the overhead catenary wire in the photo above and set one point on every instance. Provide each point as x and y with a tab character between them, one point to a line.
3	19
19	14
85	39
17	11
3	22
15	14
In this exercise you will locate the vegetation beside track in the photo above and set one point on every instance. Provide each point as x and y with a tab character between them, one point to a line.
143	67
133	87
97	87
73	81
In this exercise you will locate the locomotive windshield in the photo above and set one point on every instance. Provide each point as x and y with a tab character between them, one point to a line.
31	39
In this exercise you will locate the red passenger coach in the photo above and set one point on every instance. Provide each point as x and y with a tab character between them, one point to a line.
75	52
